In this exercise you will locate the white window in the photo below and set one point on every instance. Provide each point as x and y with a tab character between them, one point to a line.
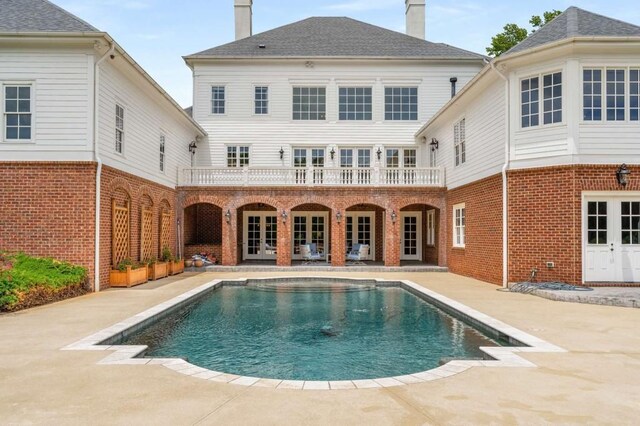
401	157
309	103
400	103
431	228
460	142
592	94
530	101
355	103
17	112
605	96
237	156
459	219
119	129
634	94
552	98
218	100
162	147
261	100
303	157
615	94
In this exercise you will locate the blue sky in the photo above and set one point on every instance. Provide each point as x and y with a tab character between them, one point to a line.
157	33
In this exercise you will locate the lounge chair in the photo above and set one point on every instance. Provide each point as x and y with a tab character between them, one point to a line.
358	253
310	253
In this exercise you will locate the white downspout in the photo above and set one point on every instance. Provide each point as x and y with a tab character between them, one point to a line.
505	167
98	160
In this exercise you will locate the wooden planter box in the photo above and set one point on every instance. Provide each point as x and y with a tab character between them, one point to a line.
158	270
128	278
176	267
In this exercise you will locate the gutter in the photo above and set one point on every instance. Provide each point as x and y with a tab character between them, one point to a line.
505	192
98	160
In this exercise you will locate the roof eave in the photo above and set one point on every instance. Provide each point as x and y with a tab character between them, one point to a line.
565	41
342	58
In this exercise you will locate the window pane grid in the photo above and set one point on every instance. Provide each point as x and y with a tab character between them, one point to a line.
17	112
309	103
261	100
530	98
592	94
355	103
401	103
459	142
218	100
162	147
237	156
119	128
634	94
459	226
630	222
552	93
615	95
597	223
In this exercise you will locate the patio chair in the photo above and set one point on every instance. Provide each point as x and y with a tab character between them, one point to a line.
358	253
310	253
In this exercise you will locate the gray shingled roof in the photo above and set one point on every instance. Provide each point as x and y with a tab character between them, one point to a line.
576	22
335	37
26	16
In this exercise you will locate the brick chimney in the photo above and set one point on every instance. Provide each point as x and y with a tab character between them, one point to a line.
244	18
415	18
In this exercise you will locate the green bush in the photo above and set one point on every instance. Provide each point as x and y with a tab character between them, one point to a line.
21	273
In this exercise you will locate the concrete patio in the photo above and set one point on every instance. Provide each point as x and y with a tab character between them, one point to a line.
596	382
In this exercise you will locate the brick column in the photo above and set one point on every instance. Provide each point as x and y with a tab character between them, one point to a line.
442	236
284	241
392	239
229	238
338	246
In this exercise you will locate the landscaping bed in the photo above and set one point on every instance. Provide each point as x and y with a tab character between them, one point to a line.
27	281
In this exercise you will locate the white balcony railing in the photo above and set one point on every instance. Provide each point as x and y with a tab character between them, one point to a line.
311	177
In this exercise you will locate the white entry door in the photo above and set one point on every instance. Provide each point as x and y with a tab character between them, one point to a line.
360	228
411	236
612	239
260	236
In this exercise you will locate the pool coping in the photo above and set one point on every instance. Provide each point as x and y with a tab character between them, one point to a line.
502	356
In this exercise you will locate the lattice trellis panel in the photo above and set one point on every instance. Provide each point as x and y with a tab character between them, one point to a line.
119	232
165	230
146	234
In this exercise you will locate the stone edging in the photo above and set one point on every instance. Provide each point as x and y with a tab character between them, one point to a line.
502	356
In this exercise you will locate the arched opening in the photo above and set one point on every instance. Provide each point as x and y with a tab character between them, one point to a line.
311	224
365	224
419	232
257	233
203	230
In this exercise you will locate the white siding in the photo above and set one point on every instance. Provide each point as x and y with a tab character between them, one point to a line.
147	116
266	134
61	96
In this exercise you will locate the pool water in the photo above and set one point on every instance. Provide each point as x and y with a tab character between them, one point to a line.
346	333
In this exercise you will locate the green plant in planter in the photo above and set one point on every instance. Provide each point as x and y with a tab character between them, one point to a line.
166	255
122	266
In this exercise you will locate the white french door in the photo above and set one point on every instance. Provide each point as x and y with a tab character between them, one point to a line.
260	236
411	236
357	162
612	239
310	228
360	229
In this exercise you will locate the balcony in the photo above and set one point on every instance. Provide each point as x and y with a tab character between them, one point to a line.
313	177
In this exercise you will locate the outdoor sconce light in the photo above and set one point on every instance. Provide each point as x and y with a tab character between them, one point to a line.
192	147
623	175
338	217
434	144
379	152
284	216
333	153
281	153
227	216
394	216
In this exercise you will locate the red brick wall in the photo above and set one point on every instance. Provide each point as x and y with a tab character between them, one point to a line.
121	186
48	209
545	218
482	256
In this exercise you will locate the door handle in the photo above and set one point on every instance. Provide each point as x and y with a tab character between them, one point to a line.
612	247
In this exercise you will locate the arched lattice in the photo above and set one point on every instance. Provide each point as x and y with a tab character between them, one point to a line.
119	232
165	230
146	233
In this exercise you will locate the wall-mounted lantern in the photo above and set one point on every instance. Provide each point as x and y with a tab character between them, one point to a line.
338	217
623	175
379	153
227	216
192	147
394	216
281	153
284	216
332	153
434	144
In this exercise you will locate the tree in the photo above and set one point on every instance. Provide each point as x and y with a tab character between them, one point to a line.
513	34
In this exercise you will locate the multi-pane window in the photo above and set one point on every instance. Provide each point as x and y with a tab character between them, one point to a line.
261	100
355	103
615	94
309	103
431	228
530	101
552	97
119	129
393	157
237	156
162	147
17	112
634	94
459	225
597	222
630	222
218	100
301	157
460	142
401	157
592	94
410	158
400	103
364	158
